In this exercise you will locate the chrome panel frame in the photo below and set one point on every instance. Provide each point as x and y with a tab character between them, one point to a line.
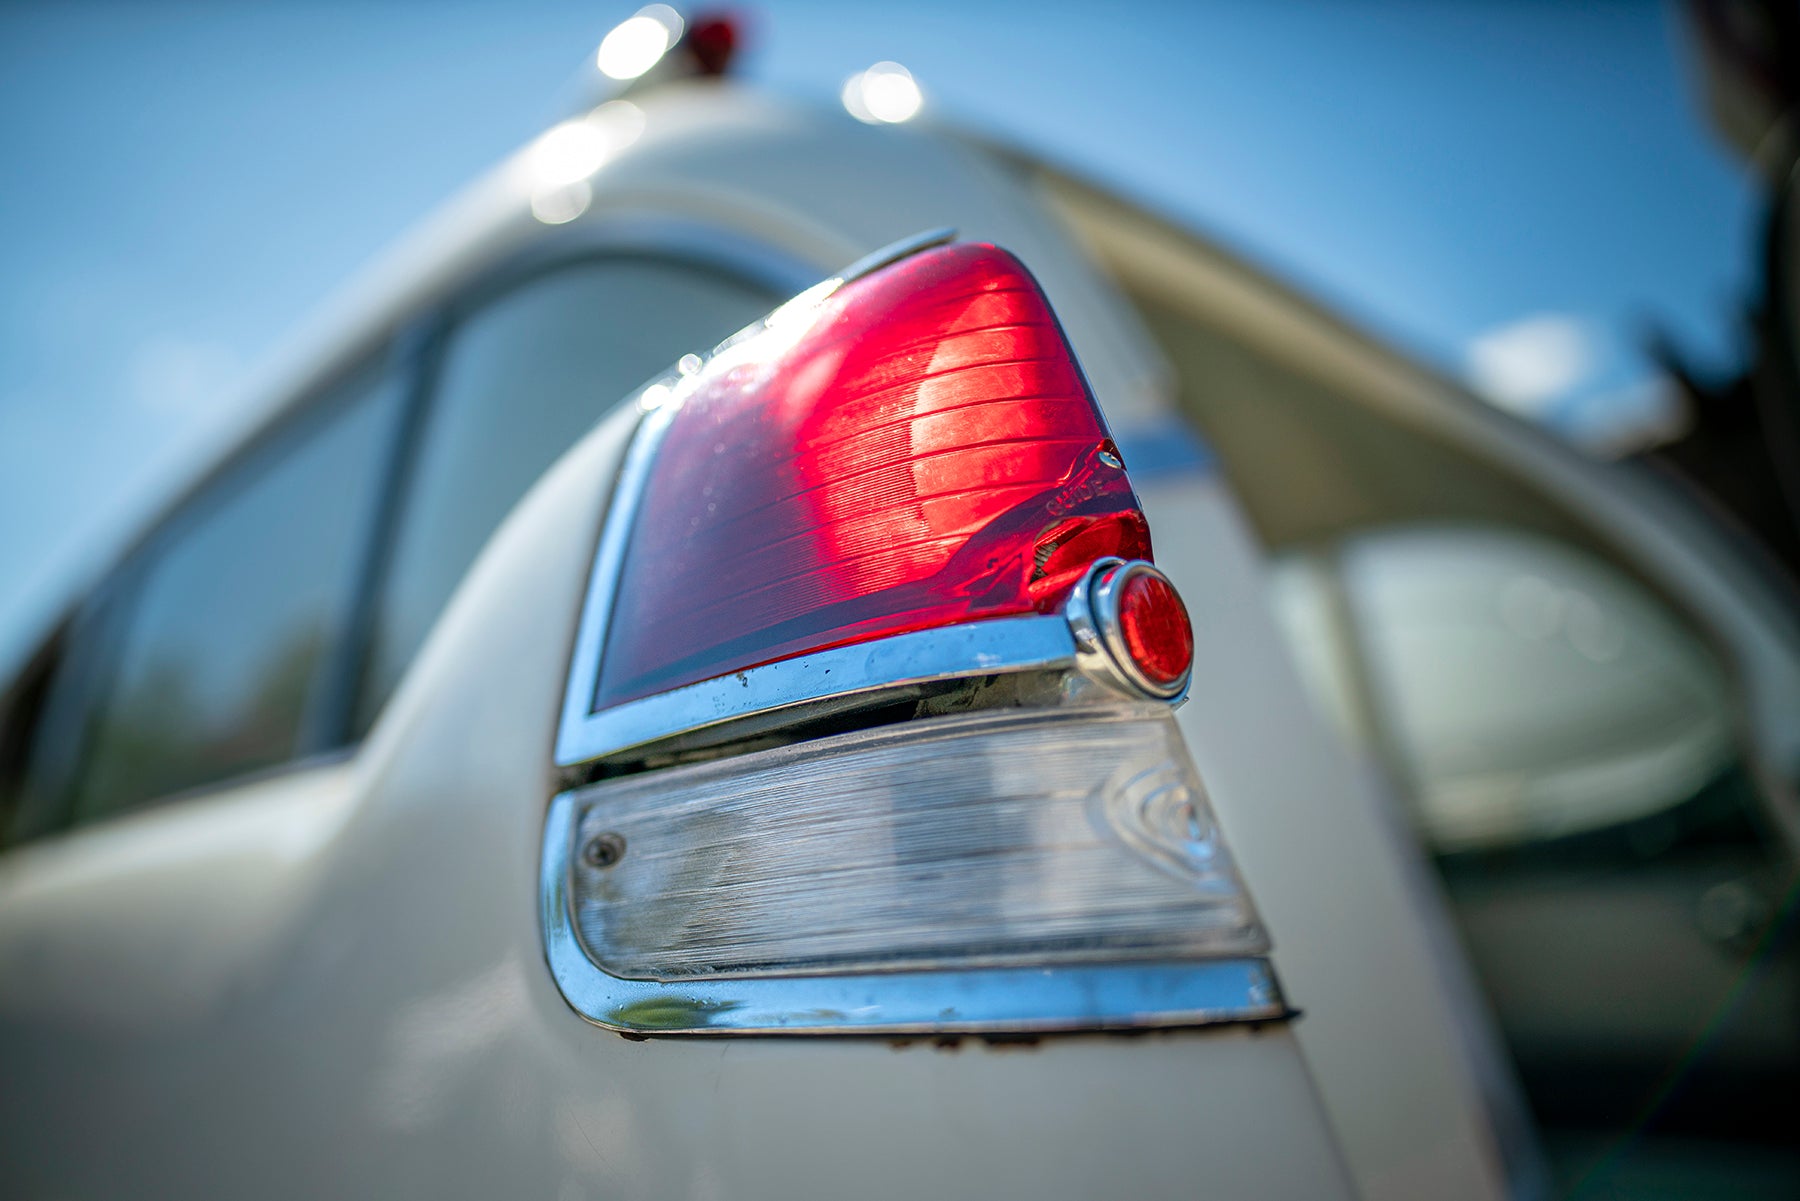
893	252
1007	644
996	1000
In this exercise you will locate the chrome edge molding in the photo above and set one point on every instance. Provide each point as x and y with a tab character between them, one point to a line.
780	272
999	645
576	740
1001	1000
1100	651
893	252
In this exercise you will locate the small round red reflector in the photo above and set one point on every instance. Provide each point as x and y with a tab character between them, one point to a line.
1154	625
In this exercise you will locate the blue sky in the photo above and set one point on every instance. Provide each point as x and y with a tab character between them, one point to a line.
183	183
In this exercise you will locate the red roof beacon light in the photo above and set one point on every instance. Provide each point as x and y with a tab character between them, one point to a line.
912	448
712	40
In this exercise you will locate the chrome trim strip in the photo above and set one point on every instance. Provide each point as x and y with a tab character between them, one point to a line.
1009	1000
700	243
1005	644
573	732
893	252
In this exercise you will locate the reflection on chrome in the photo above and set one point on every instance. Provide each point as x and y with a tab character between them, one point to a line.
557	166
802	306
557	206
638	43
576	149
571	151
884	94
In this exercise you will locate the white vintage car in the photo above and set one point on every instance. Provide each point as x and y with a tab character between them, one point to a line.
549	757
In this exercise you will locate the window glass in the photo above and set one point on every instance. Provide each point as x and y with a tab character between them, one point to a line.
521	378
226	619
48	729
1528	691
24	723
1568	752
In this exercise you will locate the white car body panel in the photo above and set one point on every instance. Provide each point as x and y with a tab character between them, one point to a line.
333	981
367	1011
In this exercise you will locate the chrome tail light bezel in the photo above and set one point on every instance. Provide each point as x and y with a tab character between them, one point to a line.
1120	993
1078	649
991	1001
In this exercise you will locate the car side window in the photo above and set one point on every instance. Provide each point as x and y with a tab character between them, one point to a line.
1569	753
209	654
520	377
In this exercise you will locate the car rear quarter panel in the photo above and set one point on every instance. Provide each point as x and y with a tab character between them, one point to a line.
362	1007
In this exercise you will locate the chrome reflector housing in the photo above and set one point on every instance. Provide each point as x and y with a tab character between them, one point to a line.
1067	857
1050	837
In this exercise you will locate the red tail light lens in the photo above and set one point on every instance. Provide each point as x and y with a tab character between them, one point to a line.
916	449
